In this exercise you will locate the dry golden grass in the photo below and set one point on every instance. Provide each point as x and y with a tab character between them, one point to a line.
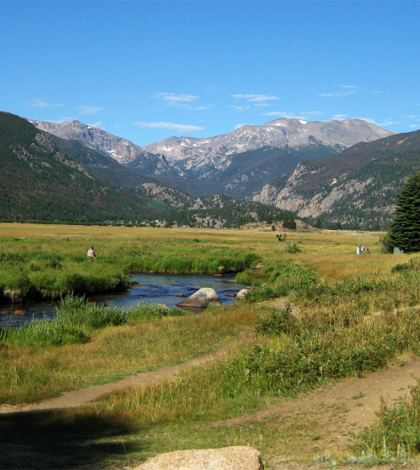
30	373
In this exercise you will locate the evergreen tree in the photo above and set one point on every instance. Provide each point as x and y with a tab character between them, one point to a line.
405	229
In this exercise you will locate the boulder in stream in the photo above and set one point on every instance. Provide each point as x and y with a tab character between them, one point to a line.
201	299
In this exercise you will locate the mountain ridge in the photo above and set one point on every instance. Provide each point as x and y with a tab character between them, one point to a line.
357	188
206	165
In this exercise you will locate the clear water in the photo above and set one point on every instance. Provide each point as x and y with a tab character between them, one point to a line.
154	288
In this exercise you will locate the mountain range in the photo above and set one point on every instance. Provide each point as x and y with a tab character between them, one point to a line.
239	163
337	174
47	178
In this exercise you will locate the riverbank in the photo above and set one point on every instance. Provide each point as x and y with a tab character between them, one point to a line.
36	267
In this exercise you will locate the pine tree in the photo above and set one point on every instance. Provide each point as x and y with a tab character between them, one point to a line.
405	229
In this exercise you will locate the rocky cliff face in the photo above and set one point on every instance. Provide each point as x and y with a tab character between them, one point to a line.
118	148
358	187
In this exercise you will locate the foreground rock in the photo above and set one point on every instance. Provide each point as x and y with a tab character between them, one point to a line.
228	458
241	295
201	299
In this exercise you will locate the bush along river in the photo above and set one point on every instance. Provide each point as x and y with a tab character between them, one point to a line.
168	289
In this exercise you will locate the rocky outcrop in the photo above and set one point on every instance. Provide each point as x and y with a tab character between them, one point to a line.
201	299
228	458
118	148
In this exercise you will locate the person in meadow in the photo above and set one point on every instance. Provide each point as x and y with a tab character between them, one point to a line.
91	254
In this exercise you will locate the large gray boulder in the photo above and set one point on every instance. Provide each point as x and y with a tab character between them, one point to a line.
202	298
227	458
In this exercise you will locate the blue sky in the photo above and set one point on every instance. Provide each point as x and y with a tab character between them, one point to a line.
147	70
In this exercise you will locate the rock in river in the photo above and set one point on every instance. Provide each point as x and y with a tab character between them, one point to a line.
203	297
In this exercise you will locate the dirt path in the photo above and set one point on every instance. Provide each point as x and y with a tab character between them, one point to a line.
331	414
84	396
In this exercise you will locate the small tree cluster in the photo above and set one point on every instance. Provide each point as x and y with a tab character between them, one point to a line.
404	231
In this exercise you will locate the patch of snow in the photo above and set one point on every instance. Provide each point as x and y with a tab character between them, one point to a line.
303	122
167	149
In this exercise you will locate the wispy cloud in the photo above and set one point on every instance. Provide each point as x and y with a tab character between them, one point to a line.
304	115
91	110
39	103
345	90
339	117
256	98
180	101
173	98
240	108
386	122
99	125
171	126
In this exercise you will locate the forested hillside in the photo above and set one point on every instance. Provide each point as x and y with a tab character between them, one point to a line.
41	182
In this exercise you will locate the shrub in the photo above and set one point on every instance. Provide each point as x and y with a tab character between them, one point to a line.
292	248
277	322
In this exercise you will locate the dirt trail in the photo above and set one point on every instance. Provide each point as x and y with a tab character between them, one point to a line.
84	396
336	410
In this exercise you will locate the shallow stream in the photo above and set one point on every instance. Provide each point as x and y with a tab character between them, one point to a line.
153	288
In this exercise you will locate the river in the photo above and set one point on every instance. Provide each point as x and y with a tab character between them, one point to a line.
152	288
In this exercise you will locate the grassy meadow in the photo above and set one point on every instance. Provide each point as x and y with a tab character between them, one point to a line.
358	313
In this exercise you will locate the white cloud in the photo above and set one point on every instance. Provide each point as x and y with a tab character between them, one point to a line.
169	125
91	110
345	91
305	116
99	125
339	117
172	99
414	126
386	122
240	108
255	98
39	103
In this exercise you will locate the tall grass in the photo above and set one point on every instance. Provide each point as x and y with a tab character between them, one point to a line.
75	320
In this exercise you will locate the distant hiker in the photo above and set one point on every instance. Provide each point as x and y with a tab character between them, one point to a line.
90	254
